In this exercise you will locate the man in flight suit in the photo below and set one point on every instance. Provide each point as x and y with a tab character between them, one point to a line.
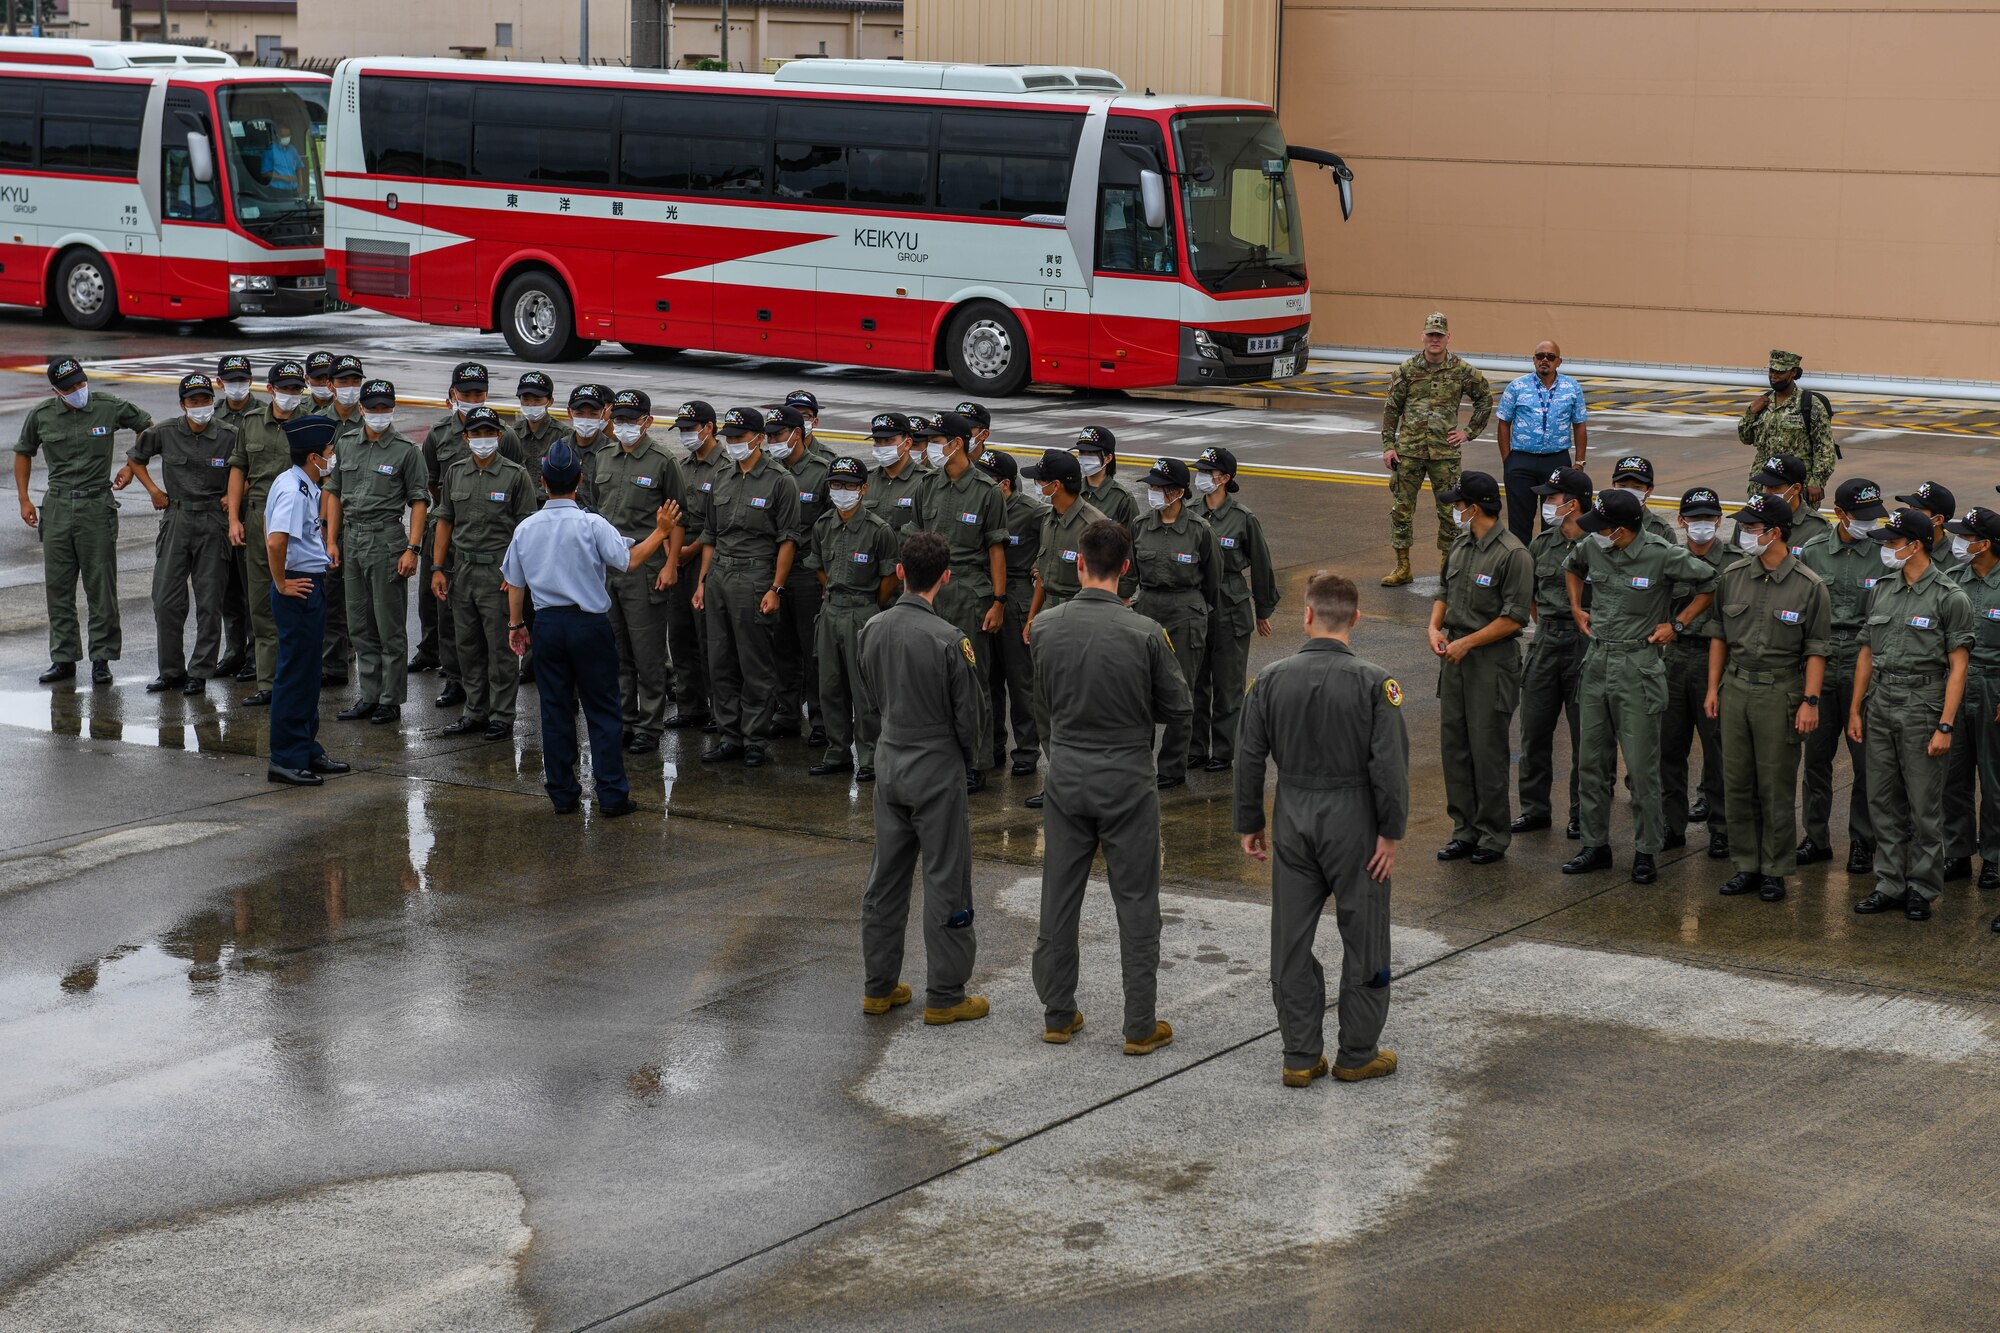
853	553
483	499
377	476
444	445
193	549
632	478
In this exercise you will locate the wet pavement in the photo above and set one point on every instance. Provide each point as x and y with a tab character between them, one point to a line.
410	1051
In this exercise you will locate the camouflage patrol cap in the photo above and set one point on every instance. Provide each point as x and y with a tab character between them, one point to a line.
1435	322
197	385
378	393
66	372
1782	361
233	367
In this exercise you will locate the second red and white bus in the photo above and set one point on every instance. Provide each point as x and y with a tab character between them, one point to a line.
1007	223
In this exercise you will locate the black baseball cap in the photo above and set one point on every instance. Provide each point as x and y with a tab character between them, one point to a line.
287	372
1474	488
1170	473
1932	499
976	413
1862	498
1634	466
469	375
233	367
319	366
1772	511
953	426
1906	525
536	382
1614	509
999	466
784	417
1215	458
191	385
1096	440
847	469
743	421
378	393
482	417
803	401
1781	470
888	425
631	404
346	366
694	413
588	395
924	426
66	372
1568	481
1979	523
1056	465
1701	502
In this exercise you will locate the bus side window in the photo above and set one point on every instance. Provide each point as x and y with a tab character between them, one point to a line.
1125	244
185	198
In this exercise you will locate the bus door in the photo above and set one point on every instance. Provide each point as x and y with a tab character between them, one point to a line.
194	239
1135	307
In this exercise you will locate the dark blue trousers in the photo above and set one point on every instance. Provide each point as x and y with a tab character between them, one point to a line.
295	682
576	661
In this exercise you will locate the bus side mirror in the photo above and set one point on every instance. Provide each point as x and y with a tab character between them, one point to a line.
1346	196
201	157
1153	200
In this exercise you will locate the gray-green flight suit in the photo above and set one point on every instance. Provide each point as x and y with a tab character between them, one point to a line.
79	517
235	602
1012	668
1972	822
894	499
1850	568
193	550
1179	567
854	554
1249	594
376	482
1771	621
971	515
1485	579
1333	724
262	456
798	611
444	445
1104	678
1911	633
631	485
687	629
484	505
1622	689
1687	716
1549	680
919	698
749	516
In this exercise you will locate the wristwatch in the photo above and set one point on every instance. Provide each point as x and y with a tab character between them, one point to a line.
414	550
1810	699
437	569
1679	629
1943	728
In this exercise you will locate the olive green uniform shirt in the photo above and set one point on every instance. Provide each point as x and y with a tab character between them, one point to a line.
484	506
855	556
1113	501
77	442
445	445
700	475
194	465
1808	525
1850	570
263	454
631	486
376	480
1772	620
1486	578
1913	627
750	514
894	499
1024	543
971	515
1248	574
1983	596
538	437
1550	550
1632	590
1056	561
1181	557
1719	556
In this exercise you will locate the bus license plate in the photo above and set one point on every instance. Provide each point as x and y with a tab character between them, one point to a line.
1284	366
1266	345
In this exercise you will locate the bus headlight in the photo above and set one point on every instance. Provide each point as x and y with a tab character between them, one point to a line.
1206	345
252	282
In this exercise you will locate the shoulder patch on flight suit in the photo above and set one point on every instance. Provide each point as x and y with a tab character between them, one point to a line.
1168	637
965	646
1393	693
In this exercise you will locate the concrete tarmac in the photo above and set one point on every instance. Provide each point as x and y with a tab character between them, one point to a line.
410	1051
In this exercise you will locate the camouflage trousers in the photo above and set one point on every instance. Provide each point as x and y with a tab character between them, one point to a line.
1406	483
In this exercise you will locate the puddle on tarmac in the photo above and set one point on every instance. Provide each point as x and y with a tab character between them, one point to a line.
168	722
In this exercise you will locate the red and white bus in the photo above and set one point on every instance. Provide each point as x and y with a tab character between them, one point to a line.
158	181
1006	223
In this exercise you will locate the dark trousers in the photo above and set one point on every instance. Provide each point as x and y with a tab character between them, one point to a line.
576	661
1524	473
301	625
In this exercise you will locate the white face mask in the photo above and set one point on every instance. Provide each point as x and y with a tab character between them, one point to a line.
1156	497
1205	483
934	452
322	393
1752	542
1632	491
586	428
1892	560
287	402
534	411
777	450
1549	512
235	391
691	440
626	432
347	395
378	421
886	455
1462	517
78	397
483	446
1858	530
201	416
461	407
844	499
1092	464
1703	531
1604	539
1961	547
328	465
738	450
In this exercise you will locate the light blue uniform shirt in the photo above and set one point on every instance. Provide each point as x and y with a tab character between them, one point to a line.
1541	415
561	555
292	508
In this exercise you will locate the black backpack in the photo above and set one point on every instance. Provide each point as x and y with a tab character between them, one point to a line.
1806	399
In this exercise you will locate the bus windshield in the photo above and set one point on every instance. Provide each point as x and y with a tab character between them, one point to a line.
1242	214
274	143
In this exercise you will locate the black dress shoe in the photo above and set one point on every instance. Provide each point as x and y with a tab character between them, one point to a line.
785	731
865	773
161	684
1486	856
1718	845
1957	867
975	779
498	730
618	809
293	777
1197	761
1034	802
681	721
1022	768
420	664
1989	875
644	742
1742	882
100	673
229	666
711	727
1530	823
1861	857
1573	830
57	671
386	714
463	725
830	768
1877	901
451	696
817	739
1674	839
1698	812
248	671
1587	860
261	699
1642	868
324	763
332	680
754	756
1772	889
358	711
1166	780
1456	850
722	752
563	807
1218	765
1811	852
1915	907
194	685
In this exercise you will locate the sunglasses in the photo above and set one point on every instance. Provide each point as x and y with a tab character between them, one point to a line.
1545	356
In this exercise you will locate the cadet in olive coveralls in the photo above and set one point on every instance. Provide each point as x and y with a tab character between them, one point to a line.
1096	453
1850	565
1908	683
262	456
344	376
893	477
1784	476
444	445
539	429
964	506
631	478
920	700
1105	677
1555	658
750	535
193	548
1333	723
1623	688
798	611
1179	565
378	473
1059	481
853	553
1634	475
702	463
1972	782
78	521
589	416
1939	504
234	374
480	503
1013	669
1249	598
1687	686
1764	677
1476	621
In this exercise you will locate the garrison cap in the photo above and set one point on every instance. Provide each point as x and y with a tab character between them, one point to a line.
1773	511
1932	499
1215	458
1568	481
976	413
1096	440
235	366
1635	467
1701	502
346	365
1056	465
847	469
743	421
1912	525
631	404
287	372
782	418
888	425
66	372
1980	524
803	401
1782	361
587	395
1614	509
1475	488
561	468
1170	473
924	426
999	466
197	383
378	393
308	434
953	426
536	382
1781	470
482	417
694	412
1435	322
469	375
319	365
1862	498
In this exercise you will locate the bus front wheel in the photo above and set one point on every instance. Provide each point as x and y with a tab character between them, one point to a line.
987	350
539	321
86	293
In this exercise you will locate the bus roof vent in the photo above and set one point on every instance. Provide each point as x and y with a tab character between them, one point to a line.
93	54
947	77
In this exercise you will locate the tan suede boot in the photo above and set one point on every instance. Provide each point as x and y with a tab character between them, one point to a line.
1397	577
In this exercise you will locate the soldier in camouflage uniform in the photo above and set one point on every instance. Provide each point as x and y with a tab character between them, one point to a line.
1777	423
1421	437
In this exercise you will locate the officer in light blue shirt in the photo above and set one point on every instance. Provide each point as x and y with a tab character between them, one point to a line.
1541	415
295	549
559	557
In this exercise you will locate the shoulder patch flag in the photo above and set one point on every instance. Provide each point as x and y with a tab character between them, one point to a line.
1168	637
1393	692
965	646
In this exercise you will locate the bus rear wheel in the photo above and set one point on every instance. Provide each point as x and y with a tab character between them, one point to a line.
539	320
86	293
987	350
